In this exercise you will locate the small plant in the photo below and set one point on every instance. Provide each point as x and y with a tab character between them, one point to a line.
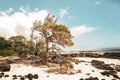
66	65
5	53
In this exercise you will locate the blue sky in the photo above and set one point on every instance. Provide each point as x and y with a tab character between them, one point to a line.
94	23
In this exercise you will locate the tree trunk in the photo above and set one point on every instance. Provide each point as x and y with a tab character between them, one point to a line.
47	49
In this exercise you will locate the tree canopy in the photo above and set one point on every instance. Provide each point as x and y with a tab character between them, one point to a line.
53	34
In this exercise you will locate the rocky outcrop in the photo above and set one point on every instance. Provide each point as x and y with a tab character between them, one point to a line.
4	67
114	55
101	65
112	73
109	70
95	55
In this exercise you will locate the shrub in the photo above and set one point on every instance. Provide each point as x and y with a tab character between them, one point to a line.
5	53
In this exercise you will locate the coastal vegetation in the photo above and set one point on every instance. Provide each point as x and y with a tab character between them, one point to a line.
51	37
45	46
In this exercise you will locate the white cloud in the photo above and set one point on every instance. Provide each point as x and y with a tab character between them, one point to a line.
82	29
96	2
63	12
9	10
4	13
19	23
24	10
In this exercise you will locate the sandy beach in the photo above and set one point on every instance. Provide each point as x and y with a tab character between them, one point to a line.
85	67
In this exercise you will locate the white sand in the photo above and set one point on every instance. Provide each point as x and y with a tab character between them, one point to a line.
85	67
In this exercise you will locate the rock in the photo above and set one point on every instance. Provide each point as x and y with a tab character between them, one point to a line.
6	75
88	74
47	76
116	76
105	73
101	65
30	76
19	75
92	78
108	73
14	77
35	76
82	54
81	79
91	55
96	62
4	67
22	78
113	79
104	67
112	55
93	71
1	75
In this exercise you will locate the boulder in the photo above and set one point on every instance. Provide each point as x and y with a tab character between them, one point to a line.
1	75
101	65
104	67
112	73
35	76
92	78
96	62
30	76
4	67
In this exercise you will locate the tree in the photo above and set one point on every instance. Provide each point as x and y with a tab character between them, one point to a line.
18	44
53	34
4	44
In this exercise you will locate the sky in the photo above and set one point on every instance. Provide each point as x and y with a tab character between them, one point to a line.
93	23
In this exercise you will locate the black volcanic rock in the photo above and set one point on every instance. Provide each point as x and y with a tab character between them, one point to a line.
101	65
30	76
35	76
6	75
96	62
1	75
22	78
92	78
116	76
108	73
81	79
112	55
105	67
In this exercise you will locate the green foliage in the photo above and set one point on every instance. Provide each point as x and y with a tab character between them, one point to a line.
70	60
5	53
67	61
4	44
18	44
52	33
40	46
76	61
69	65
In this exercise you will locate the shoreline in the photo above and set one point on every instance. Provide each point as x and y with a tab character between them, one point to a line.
85	67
